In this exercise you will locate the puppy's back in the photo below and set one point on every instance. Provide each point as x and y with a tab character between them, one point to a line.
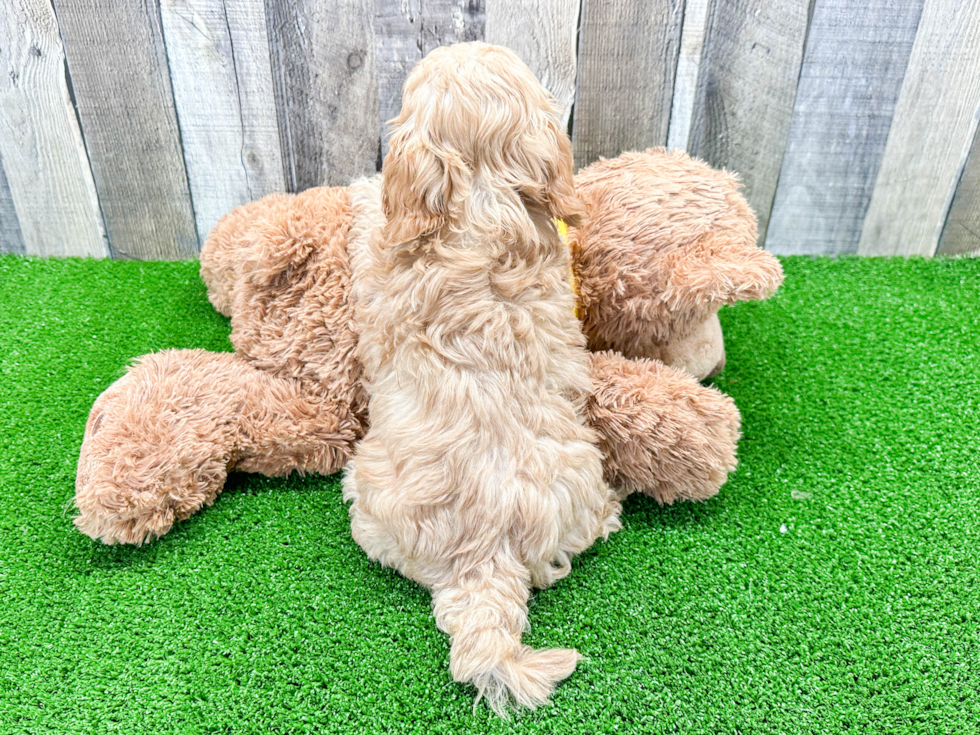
478	477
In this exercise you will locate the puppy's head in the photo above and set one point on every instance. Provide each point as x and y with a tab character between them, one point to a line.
474	117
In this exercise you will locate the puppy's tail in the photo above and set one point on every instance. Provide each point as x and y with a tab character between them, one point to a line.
485	612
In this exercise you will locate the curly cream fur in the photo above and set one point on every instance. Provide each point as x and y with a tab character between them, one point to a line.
160	441
279	267
478	477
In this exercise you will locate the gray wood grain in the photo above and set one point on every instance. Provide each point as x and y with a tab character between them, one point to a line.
627	59
856	55
324	75
398	26
747	81
933	127
452	21
544	33
47	169
961	234
11	240
406	31
218	53
121	85
686	79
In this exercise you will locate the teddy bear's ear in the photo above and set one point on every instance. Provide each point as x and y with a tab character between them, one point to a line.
423	184
719	270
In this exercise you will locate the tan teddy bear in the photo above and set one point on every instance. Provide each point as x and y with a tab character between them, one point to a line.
666	242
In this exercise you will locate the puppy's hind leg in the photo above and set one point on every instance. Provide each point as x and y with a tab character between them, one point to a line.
484	610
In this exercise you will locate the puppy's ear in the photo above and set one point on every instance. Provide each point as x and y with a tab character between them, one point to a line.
554	187
423	184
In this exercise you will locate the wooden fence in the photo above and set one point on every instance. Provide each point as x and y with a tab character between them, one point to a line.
128	127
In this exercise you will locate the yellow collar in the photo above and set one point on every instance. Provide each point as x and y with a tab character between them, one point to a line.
572	280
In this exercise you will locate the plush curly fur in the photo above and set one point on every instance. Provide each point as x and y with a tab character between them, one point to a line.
491	489
478	477
160	441
279	268
486	483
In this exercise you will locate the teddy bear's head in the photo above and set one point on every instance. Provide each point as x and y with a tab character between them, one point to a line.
667	241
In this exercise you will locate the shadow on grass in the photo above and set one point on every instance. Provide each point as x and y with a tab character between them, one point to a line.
193	531
641	512
234	521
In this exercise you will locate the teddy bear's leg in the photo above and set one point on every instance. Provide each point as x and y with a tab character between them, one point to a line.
661	432
160	441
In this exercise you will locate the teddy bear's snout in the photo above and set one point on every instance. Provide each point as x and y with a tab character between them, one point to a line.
700	352
719	367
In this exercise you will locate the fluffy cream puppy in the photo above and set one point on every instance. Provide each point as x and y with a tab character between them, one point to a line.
478	477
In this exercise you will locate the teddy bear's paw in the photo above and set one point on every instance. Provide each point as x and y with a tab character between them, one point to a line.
155	451
106	515
661	432
134	498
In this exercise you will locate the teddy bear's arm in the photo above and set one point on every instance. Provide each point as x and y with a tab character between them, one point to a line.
660	431
160	441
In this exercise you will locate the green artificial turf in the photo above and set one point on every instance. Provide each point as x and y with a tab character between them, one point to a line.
832	585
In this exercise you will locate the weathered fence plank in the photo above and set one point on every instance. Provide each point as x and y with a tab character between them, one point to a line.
961	234
47	170
129	127
856	54
324	75
398	29
11	240
121	83
407	30
686	81
451	21
544	33
627	58
933	127
218	53
746	89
